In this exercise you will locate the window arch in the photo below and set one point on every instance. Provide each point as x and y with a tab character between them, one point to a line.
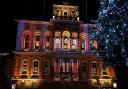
35	67
57	40
66	40
37	41
24	67
26	41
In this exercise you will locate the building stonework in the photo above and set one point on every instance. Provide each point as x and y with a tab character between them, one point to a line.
58	50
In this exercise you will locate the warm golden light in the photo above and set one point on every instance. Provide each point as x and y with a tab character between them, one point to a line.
34	80
114	85
37	43
22	80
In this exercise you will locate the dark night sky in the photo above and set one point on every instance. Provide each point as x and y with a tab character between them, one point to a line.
33	10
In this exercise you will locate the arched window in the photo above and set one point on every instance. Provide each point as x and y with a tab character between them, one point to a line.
66	40
58	12
65	13
24	67
94	69
104	69
57	40
37	41
74	40
26	41
46	65
35	67
82	41
47	40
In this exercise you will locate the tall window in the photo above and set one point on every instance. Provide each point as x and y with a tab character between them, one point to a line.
75	69
82	41
37	42
47	40
24	67
46	67
94	69
84	69
104	69
35	67
26	41
66	40
74	40
57	41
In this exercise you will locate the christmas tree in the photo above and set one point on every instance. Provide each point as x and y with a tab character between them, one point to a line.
112	36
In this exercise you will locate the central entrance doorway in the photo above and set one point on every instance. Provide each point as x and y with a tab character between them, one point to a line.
66	69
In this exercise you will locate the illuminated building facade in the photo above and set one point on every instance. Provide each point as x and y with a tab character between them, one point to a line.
58	50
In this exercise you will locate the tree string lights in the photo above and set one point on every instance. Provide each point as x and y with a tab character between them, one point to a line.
113	31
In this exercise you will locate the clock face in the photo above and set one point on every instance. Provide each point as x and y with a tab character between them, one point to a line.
74	41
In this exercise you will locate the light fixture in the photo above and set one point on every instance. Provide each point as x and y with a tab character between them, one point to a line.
34	80
53	17
78	18
114	85
22	80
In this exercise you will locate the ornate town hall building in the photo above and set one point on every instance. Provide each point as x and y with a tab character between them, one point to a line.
58	50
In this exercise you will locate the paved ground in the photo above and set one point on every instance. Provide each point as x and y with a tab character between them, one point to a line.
65	85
